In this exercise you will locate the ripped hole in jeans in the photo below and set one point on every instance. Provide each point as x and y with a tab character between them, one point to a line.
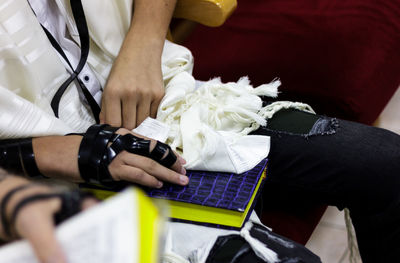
296	122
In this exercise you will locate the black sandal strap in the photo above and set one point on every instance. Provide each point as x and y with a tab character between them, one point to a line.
3	207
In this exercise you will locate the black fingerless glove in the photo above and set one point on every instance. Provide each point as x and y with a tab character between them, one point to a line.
100	145
17	156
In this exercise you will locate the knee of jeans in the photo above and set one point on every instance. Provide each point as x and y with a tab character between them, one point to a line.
376	183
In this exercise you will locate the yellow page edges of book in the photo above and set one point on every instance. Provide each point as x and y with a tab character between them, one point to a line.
213	215
199	213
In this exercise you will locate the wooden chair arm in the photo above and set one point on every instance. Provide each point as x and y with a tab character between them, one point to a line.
211	13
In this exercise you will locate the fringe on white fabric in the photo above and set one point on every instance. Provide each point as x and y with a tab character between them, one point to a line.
260	249
354	255
229	106
208	121
268	111
233	106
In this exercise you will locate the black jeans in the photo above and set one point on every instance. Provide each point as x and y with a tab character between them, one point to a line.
340	163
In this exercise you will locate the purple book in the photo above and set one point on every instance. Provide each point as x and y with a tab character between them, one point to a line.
227	193
211	198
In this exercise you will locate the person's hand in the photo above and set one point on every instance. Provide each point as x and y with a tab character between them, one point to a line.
56	156
135	87
145	171
35	220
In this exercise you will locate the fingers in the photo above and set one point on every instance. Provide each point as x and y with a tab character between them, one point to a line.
129	100
143	110
155	169
111	110
133	114
180	159
177	166
134	111
145	171
136	175
154	108
129	112
35	222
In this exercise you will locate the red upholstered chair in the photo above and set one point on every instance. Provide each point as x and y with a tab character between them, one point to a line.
342	57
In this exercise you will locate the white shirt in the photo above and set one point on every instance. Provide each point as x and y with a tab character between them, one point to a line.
209	124
49	16
232	157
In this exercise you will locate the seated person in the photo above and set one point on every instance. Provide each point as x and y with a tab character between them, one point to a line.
49	88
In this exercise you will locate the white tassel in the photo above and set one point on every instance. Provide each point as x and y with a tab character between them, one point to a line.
234	108
269	110
261	250
270	89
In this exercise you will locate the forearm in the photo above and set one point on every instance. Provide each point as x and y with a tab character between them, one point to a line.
7	183
151	19
135	87
149	27
57	156
104	155
51	156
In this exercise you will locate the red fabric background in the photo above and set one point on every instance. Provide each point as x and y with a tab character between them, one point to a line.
342	57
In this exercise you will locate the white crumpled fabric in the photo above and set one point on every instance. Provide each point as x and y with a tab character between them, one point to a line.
210	121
